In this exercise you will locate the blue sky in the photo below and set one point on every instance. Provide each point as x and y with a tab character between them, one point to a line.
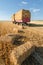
9	7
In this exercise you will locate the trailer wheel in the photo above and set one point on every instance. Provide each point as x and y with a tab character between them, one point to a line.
18	23
15	22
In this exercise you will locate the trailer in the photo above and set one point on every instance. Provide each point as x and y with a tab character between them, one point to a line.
22	16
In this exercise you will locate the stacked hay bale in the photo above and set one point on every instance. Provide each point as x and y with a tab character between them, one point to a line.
13	18
27	15
18	16
21	16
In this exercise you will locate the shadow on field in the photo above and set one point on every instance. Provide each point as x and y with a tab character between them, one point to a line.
35	25
32	25
18	40
31	59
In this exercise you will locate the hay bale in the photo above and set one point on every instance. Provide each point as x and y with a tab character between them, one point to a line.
22	15
20	53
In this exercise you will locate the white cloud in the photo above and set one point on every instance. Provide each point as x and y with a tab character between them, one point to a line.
36	10
24	2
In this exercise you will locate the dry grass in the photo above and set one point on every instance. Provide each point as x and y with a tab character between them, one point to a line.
33	34
8	27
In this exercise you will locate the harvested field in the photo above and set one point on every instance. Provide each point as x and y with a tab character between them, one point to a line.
12	36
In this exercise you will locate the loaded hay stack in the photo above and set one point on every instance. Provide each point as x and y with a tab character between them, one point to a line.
13	18
22	16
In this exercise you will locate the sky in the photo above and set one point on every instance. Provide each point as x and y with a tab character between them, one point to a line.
9	7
